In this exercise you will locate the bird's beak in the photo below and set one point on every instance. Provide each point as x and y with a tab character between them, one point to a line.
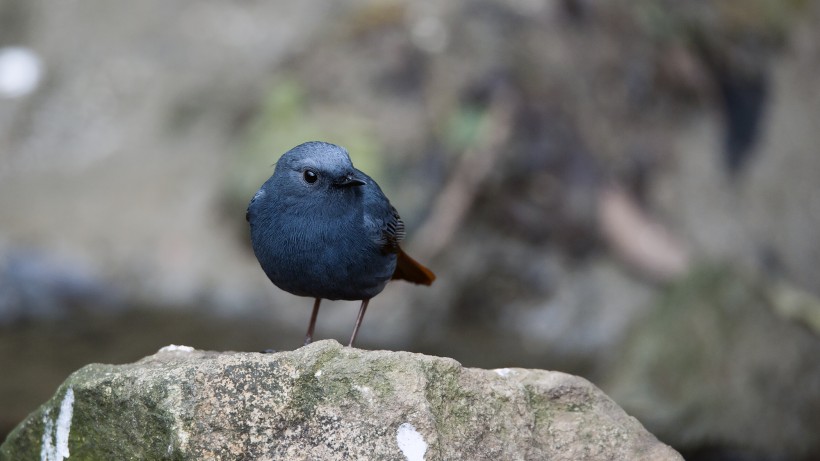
349	180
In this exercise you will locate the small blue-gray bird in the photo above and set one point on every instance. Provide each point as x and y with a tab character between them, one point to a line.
323	229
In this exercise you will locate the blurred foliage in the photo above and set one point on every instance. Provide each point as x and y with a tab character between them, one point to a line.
464	127
734	43
796	304
770	20
713	356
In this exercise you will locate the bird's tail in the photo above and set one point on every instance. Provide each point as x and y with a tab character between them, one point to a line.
411	270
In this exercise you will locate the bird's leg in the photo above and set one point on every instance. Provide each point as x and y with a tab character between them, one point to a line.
358	321
309	335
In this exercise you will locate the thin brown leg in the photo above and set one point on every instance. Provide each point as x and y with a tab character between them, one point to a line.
309	335
358	321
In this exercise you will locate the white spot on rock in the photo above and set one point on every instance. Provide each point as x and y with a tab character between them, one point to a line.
55	439
361	389
318	373
503	372
365	391
20	71
64	422
411	443
175	348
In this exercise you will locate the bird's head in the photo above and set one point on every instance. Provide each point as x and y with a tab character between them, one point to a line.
315	168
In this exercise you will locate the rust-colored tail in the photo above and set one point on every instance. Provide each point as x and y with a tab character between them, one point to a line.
411	270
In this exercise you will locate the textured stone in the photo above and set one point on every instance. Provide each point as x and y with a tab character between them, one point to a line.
324	401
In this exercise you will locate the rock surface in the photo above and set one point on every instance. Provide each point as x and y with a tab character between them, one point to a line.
324	401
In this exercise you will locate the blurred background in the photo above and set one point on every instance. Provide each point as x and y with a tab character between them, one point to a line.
624	190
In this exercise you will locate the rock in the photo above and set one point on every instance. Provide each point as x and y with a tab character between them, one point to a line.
324	401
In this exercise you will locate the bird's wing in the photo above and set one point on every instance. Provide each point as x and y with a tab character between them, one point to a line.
382	221
387	230
385	227
392	232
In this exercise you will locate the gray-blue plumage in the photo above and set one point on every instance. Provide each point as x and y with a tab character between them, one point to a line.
331	238
322	228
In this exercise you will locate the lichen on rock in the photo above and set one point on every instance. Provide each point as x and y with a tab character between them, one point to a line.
325	401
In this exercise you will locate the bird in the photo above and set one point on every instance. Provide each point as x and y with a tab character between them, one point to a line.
322	229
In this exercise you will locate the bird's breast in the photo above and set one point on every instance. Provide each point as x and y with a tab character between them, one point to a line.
319	257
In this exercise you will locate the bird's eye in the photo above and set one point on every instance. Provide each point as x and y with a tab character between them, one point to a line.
310	176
